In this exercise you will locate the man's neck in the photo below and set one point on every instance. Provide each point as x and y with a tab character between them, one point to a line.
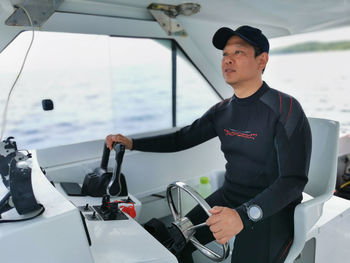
247	89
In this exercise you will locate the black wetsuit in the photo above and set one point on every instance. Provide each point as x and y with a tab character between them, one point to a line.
266	140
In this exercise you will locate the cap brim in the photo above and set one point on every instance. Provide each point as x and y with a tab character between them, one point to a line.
221	37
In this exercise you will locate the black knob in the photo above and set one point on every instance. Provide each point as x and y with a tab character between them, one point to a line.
105	199
105	202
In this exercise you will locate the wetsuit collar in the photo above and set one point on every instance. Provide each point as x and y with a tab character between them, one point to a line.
252	97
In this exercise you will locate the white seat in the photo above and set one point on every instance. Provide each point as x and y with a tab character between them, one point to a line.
321	184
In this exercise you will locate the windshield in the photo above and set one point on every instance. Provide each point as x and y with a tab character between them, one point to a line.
99	85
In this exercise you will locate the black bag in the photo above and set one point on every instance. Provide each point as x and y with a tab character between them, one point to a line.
343	177
170	237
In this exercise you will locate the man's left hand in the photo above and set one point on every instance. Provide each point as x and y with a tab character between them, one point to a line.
224	223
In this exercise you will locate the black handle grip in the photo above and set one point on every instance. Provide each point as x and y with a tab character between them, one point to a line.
119	152
115	185
105	157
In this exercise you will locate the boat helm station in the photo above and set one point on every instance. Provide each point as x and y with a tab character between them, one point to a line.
69	198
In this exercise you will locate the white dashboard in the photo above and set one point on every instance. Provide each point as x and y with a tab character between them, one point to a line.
62	234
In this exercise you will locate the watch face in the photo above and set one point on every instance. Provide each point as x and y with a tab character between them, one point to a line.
254	212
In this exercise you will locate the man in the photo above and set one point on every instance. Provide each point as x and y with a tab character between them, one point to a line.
266	140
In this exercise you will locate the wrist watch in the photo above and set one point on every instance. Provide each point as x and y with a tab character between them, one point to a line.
254	212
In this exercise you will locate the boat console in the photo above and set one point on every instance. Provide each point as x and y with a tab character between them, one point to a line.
94	221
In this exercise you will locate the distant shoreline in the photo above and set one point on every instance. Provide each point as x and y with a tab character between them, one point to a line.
312	47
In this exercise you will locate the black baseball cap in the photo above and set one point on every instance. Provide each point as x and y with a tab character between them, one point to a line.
252	35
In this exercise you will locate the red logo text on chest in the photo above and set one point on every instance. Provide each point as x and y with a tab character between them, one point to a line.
242	134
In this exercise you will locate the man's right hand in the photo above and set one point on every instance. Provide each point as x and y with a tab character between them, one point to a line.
112	138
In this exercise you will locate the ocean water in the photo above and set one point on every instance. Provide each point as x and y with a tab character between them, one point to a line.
89	104
320	81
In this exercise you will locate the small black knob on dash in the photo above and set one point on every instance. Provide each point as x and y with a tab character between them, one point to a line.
47	104
86	208
93	214
105	202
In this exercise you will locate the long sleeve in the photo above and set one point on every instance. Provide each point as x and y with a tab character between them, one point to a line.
293	150
199	131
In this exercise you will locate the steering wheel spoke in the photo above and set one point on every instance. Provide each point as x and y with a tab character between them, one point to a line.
179	209
197	226
173	209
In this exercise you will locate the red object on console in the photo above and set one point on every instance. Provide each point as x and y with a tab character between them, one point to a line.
130	210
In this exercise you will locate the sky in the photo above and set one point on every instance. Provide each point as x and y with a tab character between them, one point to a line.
331	35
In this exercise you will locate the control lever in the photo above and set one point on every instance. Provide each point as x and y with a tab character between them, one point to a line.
114	187
105	158
101	181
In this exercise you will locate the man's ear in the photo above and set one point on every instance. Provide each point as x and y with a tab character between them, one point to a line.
263	58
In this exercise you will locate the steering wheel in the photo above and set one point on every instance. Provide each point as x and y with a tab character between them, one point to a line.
185	225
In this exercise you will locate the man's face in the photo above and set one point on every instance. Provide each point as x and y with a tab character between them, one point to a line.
239	63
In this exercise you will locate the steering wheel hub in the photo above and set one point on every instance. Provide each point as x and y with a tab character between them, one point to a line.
186	227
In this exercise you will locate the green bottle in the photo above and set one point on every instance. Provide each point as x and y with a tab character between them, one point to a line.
204	188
